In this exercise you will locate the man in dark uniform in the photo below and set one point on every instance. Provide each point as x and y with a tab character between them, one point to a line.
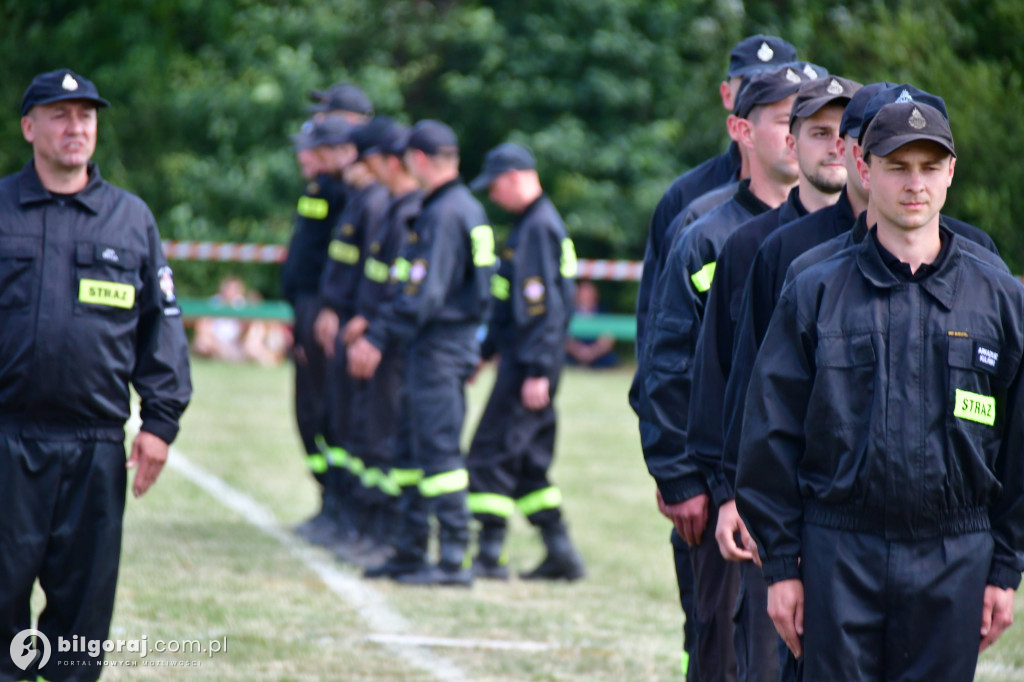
339	287
87	307
763	108
514	445
316	216
375	403
880	471
747	58
814	130
437	312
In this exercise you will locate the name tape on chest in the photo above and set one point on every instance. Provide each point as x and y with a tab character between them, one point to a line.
975	407
113	294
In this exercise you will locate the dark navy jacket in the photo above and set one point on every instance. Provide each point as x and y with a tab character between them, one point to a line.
676	315
346	253
695	182
451	259
316	216
713	355
384	243
888	404
87	307
534	292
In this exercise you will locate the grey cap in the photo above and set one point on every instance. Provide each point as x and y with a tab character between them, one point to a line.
504	157
820	92
896	125
768	87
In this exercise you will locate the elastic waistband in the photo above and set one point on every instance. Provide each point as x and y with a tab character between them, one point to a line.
904	527
38	428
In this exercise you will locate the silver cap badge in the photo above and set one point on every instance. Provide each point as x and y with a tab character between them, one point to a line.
792	76
765	53
834	88
916	120
904	98
69	82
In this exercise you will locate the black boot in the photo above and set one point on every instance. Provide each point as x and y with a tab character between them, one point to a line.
321	524
490	561
562	562
450	570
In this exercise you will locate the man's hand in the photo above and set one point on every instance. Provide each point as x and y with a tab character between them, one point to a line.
149	453
355	328
363	359
689	516
786	609
325	330
535	393
996	615
729	524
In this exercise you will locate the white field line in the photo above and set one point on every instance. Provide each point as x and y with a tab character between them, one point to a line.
999	671
369	603
416	640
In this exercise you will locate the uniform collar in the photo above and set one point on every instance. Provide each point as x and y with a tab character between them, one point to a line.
533	206
844	210
745	198
792	208
441	189
32	190
942	284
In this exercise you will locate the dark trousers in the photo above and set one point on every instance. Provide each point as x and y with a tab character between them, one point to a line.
512	451
310	374
878	610
755	640
717	583
687	588
61	523
374	419
439	363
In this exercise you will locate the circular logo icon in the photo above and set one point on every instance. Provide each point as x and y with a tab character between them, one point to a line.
25	650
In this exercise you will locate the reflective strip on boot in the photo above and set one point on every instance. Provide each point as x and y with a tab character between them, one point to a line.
684	663
320	442
491	503
387	485
540	500
356	465
443	484
337	457
371	477
317	463
406	478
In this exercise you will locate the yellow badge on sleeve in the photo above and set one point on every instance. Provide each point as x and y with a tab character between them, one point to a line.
113	294
482	241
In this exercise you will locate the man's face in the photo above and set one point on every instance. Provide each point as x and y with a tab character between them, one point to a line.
769	127
62	134
908	187
309	162
817	152
378	166
503	190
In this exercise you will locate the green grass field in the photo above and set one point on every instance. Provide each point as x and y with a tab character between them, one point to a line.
193	568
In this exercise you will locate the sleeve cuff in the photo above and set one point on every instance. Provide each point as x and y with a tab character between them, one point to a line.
377	336
163	430
533	371
780	568
721	491
1003	576
676	490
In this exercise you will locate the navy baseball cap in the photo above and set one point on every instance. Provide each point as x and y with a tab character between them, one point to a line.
504	157
820	92
329	132
367	137
768	87
433	137
60	85
396	141
899	124
759	53
810	70
900	94
853	116
341	97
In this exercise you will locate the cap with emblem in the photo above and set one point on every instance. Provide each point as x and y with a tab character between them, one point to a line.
896	125
853	115
768	87
60	85
900	94
329	132
503	158
432	138
341	97
810	70
367	137
820	92
758	53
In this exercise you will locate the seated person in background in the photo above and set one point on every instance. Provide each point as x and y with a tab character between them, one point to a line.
236	339
588	351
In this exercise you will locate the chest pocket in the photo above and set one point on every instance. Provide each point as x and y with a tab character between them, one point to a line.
107	279
974	390
844	384
17	274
